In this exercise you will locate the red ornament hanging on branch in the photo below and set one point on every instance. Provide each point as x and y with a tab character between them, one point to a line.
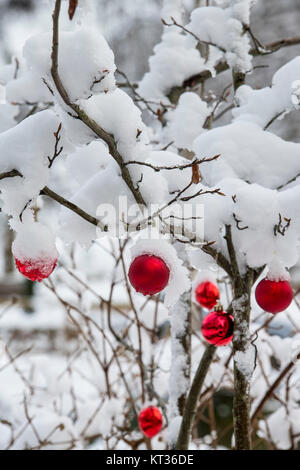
148	274
36	269
34	249
207	294
150	421
217	328
273	296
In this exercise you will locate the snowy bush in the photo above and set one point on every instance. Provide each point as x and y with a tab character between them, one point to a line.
97	172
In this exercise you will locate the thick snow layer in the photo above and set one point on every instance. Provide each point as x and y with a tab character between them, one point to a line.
25	148
28	88
177	58
86	161
185	123
223	28
260	217
174	60
249	153
118	115
261	106
94	71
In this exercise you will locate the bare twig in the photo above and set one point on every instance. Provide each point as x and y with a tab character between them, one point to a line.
57	151
280	227
174	167
270	391
201	41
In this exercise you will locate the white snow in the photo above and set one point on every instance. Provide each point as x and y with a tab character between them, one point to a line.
94	71
34	241
261	106
25	148
185	123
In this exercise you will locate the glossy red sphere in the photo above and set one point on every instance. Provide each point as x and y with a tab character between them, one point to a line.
217	328
273	296
207	294
36	270
148	274
150	421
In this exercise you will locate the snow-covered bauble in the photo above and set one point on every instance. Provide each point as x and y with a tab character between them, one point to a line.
150	421
34	251
217	328
148	274
36	269
273	296
207	294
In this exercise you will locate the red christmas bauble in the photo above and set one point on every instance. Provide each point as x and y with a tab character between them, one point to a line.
148	274
273	296
207	294
36	269
217	328
150	421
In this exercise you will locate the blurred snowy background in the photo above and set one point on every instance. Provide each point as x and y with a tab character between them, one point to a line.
31	317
